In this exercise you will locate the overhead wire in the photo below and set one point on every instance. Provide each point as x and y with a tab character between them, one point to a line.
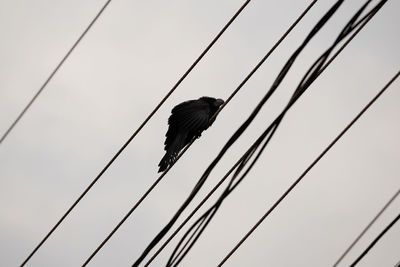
137	130
199	206
55	70
376	217
309	168
351	25
243	127
187	146
373	243
175	261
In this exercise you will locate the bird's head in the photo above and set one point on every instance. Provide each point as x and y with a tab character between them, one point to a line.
213	101
218	102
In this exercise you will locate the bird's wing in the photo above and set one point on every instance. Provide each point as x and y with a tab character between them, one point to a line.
190	117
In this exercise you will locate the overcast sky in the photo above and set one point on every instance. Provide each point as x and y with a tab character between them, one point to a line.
129	60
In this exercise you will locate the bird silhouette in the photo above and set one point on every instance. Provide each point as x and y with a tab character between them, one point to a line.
187	121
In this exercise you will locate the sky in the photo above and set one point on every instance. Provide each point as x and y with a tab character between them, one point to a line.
125	65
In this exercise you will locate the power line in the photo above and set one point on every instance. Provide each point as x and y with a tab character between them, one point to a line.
37	95
136	205
225	103
196	209
302	87
375	241
53	73
309	168
298	92
137	130
367	228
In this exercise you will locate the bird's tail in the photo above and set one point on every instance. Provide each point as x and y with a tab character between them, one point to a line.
171	153
164	162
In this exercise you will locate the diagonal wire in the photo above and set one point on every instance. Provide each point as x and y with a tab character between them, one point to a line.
365	19
367	228
174	262
138	130
3	137
309	168
180	154
196	209
375	241
236	135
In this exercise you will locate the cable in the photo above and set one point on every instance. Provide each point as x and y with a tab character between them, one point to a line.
53	73
275	124
137	130
375	241
195	210
350	26
180	154
367	228
208	215
42	88
242	128
309	168
135	206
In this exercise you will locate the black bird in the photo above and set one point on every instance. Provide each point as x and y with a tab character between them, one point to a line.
187	121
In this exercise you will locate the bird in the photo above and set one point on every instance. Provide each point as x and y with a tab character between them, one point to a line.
186	122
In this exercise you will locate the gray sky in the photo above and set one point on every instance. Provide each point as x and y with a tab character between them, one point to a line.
122	69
